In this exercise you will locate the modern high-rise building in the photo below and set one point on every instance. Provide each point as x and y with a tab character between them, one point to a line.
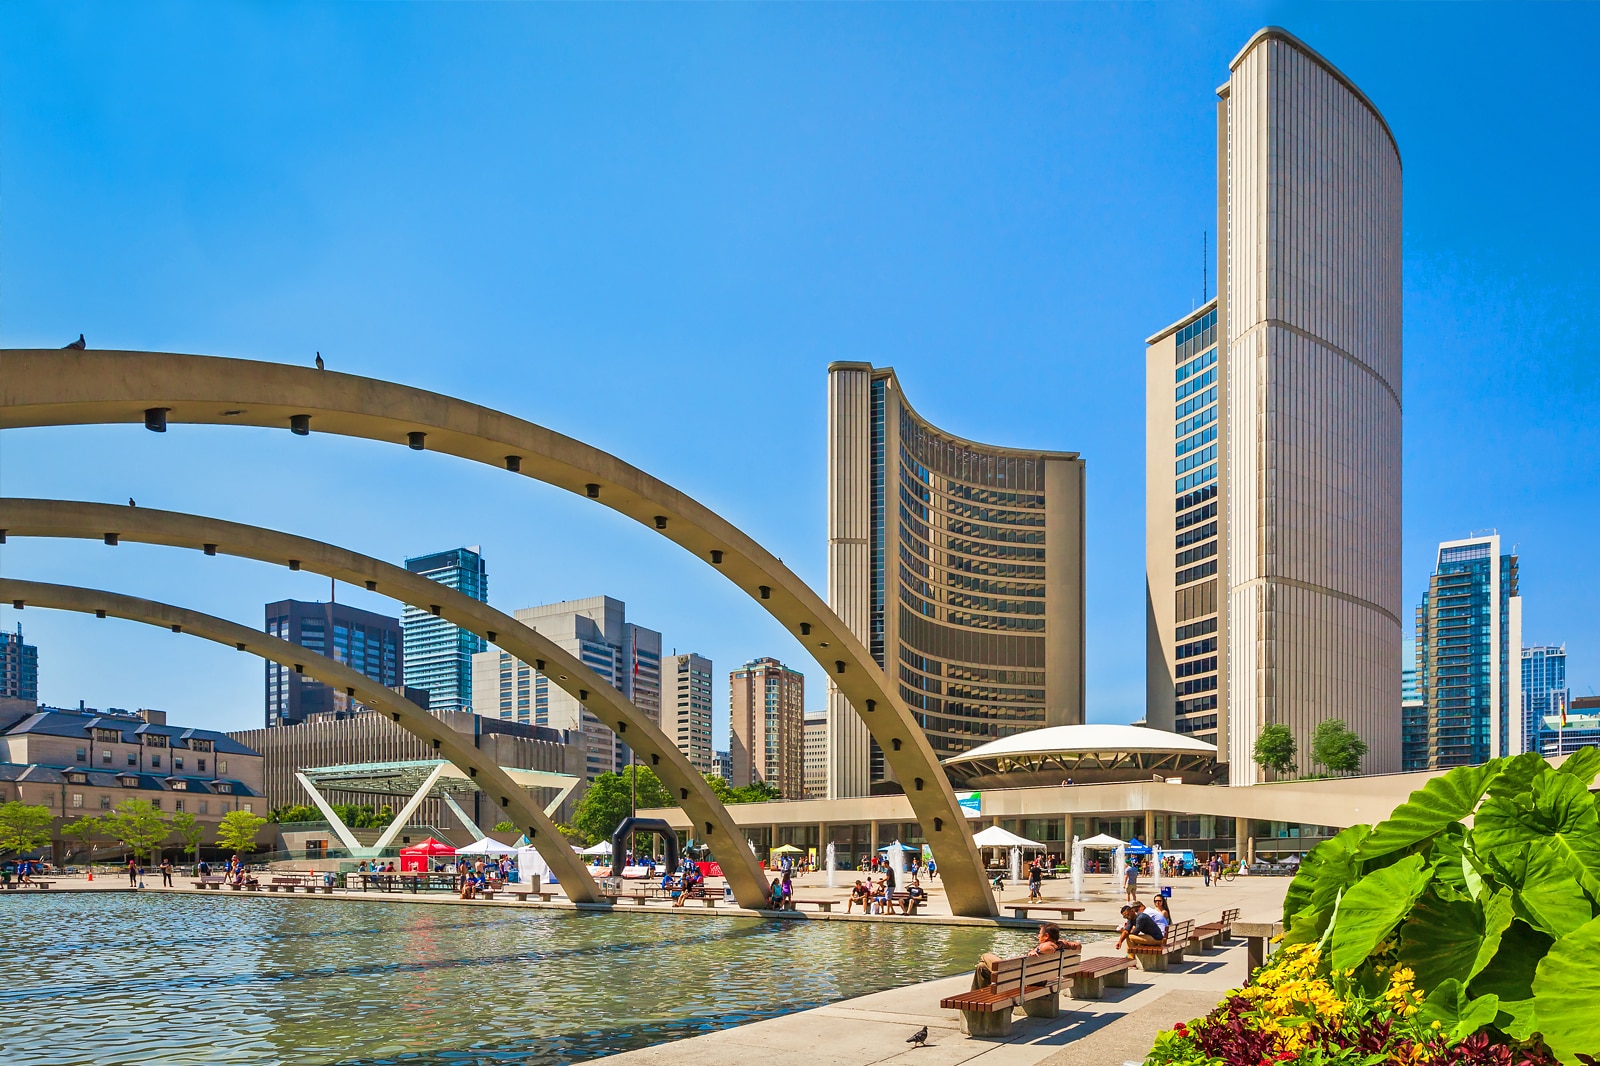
767	702
1469	646
597	632
1413	722
1544	691
1272	429
438	654
816	772
368	643
722	765
959	565
19	667
686	712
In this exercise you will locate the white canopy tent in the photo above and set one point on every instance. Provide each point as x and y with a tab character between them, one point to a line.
602	848
486	846
995	837
1104	841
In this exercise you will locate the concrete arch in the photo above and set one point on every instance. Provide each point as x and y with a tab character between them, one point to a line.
710	819
45	387
569	869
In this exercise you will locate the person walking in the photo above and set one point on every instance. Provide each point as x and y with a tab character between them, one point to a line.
1035	880
1130	881
166	872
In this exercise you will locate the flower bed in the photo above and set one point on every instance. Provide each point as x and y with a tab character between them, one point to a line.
1421	941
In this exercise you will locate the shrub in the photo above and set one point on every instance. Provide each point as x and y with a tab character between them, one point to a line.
1492	928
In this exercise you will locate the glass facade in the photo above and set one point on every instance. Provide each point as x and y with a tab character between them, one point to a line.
1463	655
1196	545
439	655
19	667
367	643
1544	692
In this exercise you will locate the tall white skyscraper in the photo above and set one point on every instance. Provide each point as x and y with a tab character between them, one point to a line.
597	632
1273	429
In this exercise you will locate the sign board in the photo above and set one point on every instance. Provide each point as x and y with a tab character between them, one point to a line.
971	803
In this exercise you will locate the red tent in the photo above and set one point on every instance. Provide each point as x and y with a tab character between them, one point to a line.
420	856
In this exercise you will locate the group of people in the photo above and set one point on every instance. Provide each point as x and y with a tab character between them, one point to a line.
23	870
878	866
691	882
1144	928
473	879
879	897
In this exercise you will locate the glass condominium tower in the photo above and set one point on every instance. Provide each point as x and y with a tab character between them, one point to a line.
959	565
1272	429
438	654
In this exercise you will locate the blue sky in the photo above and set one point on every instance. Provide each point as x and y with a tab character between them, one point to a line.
652	227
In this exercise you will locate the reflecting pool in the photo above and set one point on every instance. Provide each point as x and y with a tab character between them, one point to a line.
119	978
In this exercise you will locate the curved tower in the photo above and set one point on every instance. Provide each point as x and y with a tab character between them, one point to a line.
959	565
1293	614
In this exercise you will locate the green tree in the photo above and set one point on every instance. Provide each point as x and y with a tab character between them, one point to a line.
190	831
755	792
85	830
504	827
1275	749
295	812
1337	748
138	825
720	788
574	834
608	800
238	830
24	827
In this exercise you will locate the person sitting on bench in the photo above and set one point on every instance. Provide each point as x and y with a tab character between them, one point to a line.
914	896
1049	942
859	894
1138	929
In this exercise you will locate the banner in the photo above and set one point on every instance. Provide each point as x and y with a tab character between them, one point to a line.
971	803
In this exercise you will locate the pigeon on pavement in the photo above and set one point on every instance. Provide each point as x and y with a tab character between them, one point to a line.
78	344
919	1038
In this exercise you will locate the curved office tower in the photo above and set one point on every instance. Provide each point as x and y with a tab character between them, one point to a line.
959	565
1273	463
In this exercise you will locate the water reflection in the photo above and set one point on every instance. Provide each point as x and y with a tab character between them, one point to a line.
104	979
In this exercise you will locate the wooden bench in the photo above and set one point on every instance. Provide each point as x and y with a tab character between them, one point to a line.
208	882
823	905
1160	956
1091	977
522	894
1218	932
1020	910
1032	982
43	886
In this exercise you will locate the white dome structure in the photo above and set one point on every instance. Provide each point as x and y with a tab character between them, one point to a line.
1081	754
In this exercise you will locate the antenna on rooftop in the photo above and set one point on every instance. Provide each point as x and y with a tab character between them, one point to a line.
1205	265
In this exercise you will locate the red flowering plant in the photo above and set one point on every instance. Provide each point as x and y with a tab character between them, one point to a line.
1423	942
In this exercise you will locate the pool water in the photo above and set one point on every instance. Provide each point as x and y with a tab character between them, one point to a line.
92	978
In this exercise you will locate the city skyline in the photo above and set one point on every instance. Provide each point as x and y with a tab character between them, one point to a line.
1491	333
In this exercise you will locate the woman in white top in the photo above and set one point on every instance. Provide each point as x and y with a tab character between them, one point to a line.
1162	916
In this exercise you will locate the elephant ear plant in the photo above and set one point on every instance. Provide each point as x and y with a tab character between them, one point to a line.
1496	920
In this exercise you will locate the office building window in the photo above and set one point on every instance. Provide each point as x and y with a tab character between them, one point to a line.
77	799
105	802
83	755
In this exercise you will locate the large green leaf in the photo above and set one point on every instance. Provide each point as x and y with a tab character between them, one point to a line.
1373	906
1443	800
1440	938
1557	809
1567	991
1450	868
1497	914
1516	773
1328	869
1550	896
1510	974
1457	1013
1583	764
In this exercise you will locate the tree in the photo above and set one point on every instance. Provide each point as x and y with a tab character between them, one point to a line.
85	830
24	827
504	827
1275	749
755	792
295	812
1337	748
609	800
720	788
238	830
190	831
137	824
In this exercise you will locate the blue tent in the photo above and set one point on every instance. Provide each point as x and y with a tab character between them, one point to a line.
1136	848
